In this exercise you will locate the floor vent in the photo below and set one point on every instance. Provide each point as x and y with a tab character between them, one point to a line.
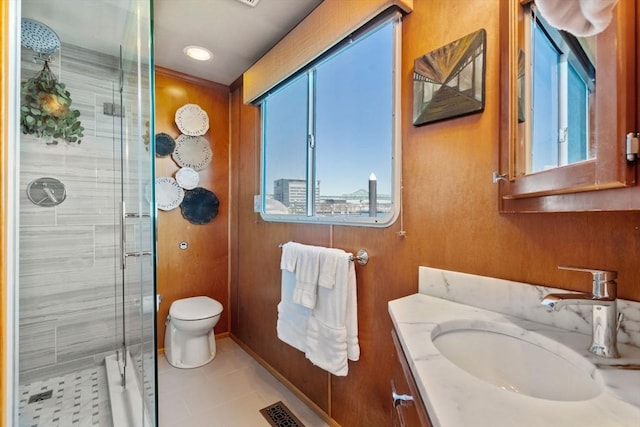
278	415
41	396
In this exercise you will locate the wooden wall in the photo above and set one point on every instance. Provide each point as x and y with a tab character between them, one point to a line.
201	269
451	219
450	213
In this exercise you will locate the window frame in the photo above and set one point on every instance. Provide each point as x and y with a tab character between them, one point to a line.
591	185
570	57
310	216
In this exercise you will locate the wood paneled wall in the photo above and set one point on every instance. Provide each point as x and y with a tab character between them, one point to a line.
201	269
450	216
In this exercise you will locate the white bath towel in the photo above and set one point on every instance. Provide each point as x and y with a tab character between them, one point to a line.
579	17
332	328
327	347
292	318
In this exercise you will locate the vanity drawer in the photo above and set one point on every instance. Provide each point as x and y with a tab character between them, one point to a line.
407	413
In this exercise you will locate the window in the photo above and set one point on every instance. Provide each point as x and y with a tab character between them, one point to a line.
562	82
330	150
583	185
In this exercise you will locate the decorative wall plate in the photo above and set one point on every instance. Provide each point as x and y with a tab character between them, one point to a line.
192	152
187	178
200	205
169	194
165	144
192	120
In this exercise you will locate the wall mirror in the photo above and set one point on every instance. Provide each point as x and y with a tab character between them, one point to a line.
567	104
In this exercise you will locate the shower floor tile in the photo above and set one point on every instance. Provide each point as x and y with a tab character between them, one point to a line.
77	399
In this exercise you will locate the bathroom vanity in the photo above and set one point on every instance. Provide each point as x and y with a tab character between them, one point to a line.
485	352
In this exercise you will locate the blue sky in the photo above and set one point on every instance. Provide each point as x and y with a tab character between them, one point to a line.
353	127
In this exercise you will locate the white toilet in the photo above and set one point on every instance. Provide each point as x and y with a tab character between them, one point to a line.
188	339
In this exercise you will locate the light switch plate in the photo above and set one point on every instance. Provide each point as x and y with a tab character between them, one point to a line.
257	203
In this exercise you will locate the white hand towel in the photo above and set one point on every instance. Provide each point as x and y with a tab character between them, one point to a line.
289	256
328	266
579	17
307	272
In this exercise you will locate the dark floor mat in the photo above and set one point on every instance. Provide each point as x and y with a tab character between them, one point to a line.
278	415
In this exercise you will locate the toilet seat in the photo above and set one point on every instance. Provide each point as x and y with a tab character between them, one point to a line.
195	308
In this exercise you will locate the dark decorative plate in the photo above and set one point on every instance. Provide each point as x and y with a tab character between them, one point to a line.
165	144
200	205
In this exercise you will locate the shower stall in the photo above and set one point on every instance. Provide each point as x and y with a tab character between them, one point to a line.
84	288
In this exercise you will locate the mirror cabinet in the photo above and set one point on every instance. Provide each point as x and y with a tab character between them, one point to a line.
606	66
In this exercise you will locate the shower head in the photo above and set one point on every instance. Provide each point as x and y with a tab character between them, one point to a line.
38	37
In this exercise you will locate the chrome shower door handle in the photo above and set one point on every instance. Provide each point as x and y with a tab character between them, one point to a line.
123	237
137	254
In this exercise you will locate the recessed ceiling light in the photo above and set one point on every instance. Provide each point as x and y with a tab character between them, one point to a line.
197	52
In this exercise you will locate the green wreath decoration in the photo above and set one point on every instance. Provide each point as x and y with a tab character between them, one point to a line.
46	109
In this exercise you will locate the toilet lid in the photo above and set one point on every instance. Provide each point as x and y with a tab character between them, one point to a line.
195	308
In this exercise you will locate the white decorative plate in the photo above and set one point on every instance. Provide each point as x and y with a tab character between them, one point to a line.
192	152
169	194
187	178
192	120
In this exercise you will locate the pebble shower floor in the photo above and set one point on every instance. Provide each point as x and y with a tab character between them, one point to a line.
77	399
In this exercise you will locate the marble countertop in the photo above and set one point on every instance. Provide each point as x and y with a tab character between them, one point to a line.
455	398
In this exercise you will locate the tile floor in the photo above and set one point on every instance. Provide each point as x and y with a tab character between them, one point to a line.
77	399
229	391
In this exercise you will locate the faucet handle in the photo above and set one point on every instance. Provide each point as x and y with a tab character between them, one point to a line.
604	284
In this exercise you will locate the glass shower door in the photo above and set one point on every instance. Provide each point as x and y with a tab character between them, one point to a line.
84	294
136	303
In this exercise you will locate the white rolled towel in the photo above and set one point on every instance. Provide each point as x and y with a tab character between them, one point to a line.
581	18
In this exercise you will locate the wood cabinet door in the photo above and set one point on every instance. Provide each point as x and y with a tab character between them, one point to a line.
615	113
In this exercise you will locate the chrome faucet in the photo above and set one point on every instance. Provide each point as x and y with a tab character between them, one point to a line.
606	320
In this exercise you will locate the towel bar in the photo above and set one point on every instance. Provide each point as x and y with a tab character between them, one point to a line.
362	256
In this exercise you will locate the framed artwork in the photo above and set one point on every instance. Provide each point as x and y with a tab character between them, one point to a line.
449	81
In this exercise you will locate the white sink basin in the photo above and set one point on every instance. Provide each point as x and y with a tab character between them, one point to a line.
517	360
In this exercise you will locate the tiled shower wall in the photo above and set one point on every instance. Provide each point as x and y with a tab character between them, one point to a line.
69	272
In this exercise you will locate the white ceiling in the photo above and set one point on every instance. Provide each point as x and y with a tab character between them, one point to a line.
237	34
